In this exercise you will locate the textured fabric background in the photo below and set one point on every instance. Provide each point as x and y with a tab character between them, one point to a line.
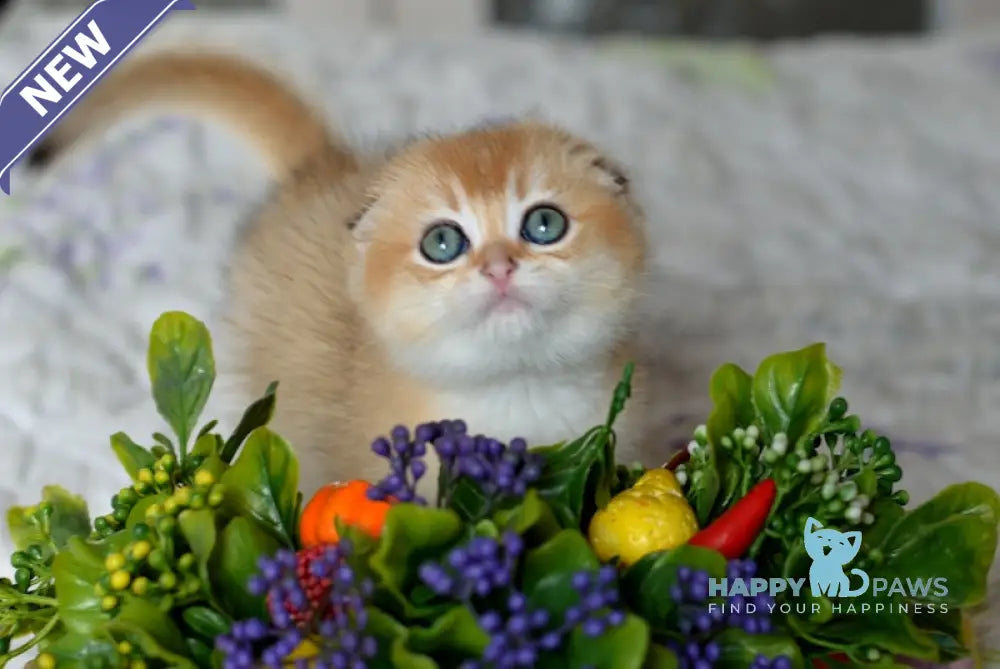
837	191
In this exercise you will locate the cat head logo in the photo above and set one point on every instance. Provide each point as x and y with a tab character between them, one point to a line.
830	550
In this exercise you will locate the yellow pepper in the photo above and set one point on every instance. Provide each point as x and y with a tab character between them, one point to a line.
651	516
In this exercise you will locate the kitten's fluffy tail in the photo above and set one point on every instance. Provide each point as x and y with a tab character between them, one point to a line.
224	88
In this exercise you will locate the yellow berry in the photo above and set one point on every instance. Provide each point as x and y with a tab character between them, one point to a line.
141	487
145	475
108	602
137	664
99	590
203	478
46	661
140	586
154	511
161	478
170	506
120	580
167	462
140	550
114	562
183	496
124	648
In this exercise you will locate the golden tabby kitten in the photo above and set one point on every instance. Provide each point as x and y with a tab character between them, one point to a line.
488	275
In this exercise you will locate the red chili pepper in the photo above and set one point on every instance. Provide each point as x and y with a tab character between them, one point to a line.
732	533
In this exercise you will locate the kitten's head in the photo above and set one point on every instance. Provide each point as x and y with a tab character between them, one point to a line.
497	250
828	545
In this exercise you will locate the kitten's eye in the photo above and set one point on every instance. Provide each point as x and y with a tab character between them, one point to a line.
443	243
544	225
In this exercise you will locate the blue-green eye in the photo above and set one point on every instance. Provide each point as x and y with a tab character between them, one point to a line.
544	225
443	242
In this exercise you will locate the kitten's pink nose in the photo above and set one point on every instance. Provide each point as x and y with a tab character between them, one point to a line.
498	267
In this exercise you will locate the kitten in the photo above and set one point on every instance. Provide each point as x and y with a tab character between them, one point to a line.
488	275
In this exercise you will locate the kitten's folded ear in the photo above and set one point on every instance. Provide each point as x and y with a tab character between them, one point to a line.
615	174
812	525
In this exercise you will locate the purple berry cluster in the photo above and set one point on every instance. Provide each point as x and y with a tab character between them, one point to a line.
339	634
700	618
757	621
762	661
696	654
483	570
519	635
476	569
499	470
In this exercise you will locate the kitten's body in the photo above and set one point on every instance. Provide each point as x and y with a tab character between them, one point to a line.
332	298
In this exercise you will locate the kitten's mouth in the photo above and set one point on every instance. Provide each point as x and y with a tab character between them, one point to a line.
827	550
506	304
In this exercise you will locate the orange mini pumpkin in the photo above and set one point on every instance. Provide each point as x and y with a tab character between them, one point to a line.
347	501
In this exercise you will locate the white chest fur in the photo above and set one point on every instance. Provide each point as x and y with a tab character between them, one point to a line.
541	409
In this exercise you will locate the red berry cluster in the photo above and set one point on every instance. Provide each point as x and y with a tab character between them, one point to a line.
316	589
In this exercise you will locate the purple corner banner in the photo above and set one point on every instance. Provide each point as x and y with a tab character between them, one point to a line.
68	67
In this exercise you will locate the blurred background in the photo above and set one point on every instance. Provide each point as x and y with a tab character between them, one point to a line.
812	170
758	19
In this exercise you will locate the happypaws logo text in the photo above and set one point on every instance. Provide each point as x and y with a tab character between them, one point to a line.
830	551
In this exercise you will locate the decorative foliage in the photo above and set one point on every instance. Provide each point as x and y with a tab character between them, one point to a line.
208	558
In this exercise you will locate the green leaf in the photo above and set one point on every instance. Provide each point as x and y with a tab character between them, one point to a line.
205	622
411	535
622	647
566	552
132	456
75	570
532	519
454	636
953	535
138	513
738	649
69	519
660	657
646	585
182	370
732	404
69	515
206	445
465	498
198	528
547	576
263	483
706	483
578	476
240	545
154	632
792	391
256	415
854	630
80	650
